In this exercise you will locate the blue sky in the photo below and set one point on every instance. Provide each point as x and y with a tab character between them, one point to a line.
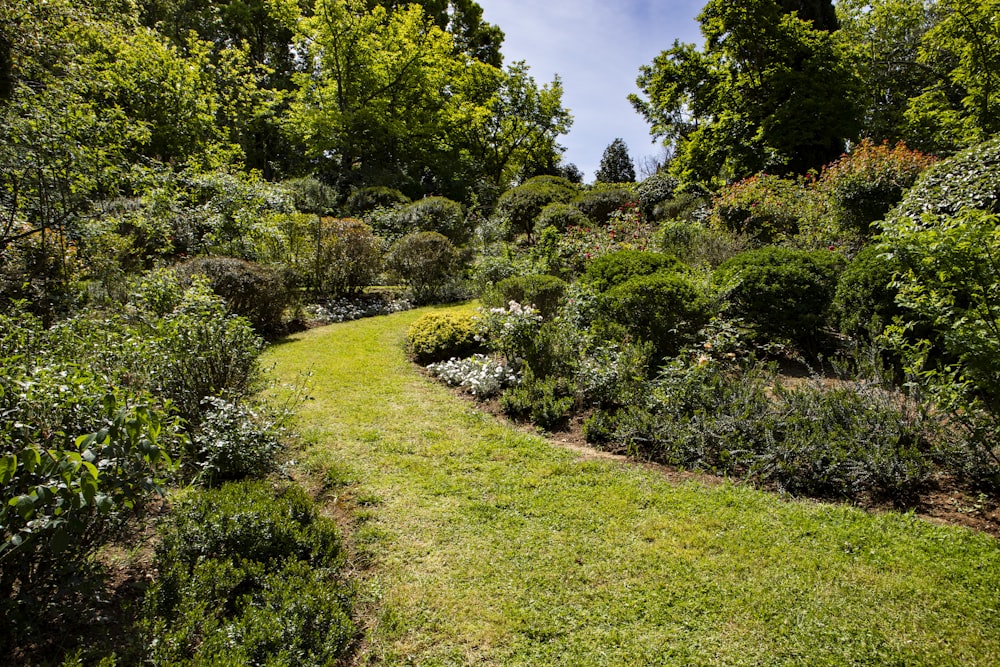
596	47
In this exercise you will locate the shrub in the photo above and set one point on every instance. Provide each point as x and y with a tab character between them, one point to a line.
439	336
482	376
869	181
781	294
426	261
346	258
616	267
435	214
665	308
366	200
865	300
311	195
600	201
233	442
511	331
688	207
258	293
523	204
763	207
654	190
546	401
542	292
561	217
697	244
247	574
626	230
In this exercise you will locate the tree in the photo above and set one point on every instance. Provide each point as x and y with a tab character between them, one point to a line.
768	92
616	165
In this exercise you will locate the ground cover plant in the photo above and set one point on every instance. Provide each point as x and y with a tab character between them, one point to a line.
578	558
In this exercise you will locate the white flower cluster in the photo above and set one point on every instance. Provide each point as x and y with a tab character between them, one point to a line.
344	310
481	375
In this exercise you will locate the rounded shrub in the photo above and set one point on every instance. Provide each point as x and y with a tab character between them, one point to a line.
865	300
783	294
435	214
440	336
426	261
617	267
600	201
562	217
763	207
348	257
523	204
665	309
543	292
258	293
868	182
654	190
365	200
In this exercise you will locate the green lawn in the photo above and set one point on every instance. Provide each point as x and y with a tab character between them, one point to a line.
483	545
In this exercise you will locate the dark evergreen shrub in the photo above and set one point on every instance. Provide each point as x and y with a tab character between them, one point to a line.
523	204
310	195
865	300
426	261
435	214
617	267
562	217
665	309
600	201
654	190
258	293
545	401
543	292
365	200
782	294
442	336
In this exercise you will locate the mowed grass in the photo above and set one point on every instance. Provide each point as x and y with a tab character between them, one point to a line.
487	546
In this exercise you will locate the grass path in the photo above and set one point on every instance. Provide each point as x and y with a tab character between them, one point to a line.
486	546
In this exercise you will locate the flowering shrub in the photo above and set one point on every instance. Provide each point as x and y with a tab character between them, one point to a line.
345	310
481	375
764	207
511	331
627	229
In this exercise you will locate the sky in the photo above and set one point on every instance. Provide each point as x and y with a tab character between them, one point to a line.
596	47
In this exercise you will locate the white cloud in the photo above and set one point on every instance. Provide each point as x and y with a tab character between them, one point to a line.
597	49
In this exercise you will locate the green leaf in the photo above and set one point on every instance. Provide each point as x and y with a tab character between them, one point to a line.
25	506
8	467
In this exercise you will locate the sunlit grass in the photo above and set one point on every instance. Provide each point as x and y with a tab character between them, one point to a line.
490	546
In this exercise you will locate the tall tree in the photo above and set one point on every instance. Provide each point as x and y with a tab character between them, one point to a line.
616	165
821	13
767	92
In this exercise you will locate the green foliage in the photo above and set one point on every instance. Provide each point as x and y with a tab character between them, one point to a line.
560	216
665	308
511	330
346	257
440	336
617	267
523	204
367	199
546	401
865	300
312	196
248	576
781	293
426	261
435	214
869	181
762	207
259	293
654	190
544	293
232	442
698	244
600	201
616	165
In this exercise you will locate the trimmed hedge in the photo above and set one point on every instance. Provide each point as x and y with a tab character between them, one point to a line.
617	267
441	336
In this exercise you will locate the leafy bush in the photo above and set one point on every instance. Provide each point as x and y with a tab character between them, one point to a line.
259	293
483	376
869	181
511	331
654	190
865	300
311	195
233	442
439	336
365	200
665	308
781	293
619	266
697	244
687	207
426	261
546	401
346	257
248	574
435	214
542	292
561	217
600	201
763	207
523	204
